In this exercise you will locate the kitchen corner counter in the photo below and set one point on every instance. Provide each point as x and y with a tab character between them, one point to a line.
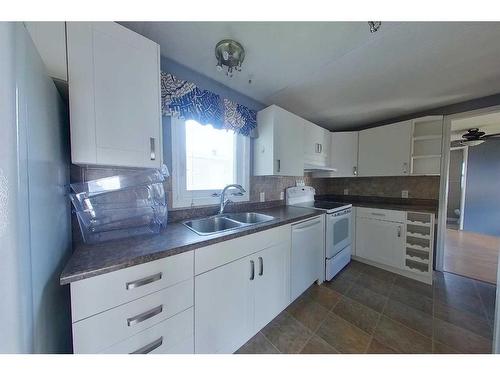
387	203
92	260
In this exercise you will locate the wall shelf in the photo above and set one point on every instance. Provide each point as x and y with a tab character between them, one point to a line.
426	145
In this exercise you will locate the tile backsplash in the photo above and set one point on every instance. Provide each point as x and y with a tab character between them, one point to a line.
422	187
426	187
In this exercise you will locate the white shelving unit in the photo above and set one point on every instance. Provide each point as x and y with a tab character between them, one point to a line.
419	243
426	145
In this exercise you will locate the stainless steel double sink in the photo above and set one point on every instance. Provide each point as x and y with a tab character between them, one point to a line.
224	222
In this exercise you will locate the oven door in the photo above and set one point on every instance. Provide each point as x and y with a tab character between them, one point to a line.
338	232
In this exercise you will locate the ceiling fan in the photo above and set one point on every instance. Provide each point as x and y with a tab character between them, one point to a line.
475	137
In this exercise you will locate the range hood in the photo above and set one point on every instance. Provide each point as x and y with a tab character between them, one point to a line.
309	167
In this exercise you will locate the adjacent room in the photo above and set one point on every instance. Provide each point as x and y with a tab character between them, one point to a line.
473	223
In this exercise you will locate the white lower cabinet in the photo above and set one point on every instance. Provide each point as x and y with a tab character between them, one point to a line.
399	241
146	308
272	283
171	336
380	241
224	308
237	299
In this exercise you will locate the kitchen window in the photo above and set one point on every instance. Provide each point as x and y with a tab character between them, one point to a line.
204	160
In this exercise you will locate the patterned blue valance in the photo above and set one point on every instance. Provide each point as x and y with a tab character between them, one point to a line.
184	100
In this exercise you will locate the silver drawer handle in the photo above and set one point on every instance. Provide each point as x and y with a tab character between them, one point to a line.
144	281
377	214
149	347
144	316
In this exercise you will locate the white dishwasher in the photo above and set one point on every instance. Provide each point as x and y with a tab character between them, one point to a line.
307	252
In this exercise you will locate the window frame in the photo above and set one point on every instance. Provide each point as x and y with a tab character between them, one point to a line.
181	197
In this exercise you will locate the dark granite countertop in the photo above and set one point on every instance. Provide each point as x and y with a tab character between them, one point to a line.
93	260
387	203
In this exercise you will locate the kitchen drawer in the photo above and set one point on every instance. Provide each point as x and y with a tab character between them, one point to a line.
216	255
172	336
380	214
98	332
97	294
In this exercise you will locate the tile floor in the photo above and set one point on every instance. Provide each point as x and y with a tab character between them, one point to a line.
368	310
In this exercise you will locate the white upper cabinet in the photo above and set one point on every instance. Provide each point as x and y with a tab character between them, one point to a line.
279	148
316	146
343	155
114	96
385	150
50	41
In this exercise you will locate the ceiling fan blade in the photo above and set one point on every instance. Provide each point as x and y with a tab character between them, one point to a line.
494	135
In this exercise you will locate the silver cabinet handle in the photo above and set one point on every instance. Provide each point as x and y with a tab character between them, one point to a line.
399	230
144	281
144	316
377	214
261	266
152	148
320	148
355	171
149	347
279	165
252	270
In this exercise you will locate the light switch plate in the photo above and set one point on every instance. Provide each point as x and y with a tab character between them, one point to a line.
404	193
346	191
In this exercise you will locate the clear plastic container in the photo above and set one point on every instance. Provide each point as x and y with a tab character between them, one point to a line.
120	206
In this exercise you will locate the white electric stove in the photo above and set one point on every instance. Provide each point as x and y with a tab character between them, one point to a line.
337	226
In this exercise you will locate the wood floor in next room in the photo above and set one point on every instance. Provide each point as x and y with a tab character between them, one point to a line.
368	310
472	255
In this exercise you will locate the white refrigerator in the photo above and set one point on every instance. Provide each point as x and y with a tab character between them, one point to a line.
35	235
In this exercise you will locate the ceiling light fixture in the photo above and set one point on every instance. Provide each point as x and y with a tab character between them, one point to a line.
374	26
230	55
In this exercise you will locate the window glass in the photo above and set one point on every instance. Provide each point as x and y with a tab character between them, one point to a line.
210	157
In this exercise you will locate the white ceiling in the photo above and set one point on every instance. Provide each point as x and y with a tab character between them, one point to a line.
337	74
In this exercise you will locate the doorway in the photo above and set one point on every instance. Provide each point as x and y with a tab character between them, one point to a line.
469	231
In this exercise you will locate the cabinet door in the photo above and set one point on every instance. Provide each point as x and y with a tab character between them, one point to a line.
272	283
114	87
385	150
380	241
288	144
316	144
224	308
344	154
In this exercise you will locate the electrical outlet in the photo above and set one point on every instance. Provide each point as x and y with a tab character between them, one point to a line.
282	195
404	193
346	191
262	196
